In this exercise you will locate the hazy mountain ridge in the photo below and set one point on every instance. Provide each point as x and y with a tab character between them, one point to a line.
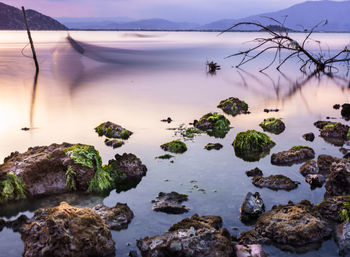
11	18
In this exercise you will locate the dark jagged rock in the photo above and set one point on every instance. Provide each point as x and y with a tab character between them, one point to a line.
293	224
336	106
252	207
252	237
16	224
170	203
253	250
309	167
333	132
345	111
275	182
343	238
330	207
254	172
175	146
296	154
315	180
324	162
116	218
114	143
339	180
211	146
213	124
252	145
309	137
112	130
233	106
126	171
273	125
191	237
67	231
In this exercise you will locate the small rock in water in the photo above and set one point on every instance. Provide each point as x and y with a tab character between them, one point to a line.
25	129
168	120
115	143
254	172
315	180
309	137
252	207
170	203
211	146
336	106
296	154
271	110
254	250
275	182
345	111
309	167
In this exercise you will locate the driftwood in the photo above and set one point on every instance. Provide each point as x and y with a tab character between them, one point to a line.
30	40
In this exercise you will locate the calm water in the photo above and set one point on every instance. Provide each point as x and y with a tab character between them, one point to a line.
164	75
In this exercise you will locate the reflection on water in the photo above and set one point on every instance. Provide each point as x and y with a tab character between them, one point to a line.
138	79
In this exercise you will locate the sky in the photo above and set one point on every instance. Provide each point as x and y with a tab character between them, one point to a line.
199	11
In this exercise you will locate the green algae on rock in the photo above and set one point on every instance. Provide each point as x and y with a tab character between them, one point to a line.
71	183
165	157
211	146
115	143
175	146
233	106
252	145
213	124
187	133
12	188
333	132
112	130
273	125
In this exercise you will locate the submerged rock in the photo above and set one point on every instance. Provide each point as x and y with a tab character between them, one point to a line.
309	137
309	167
252	207
315	180
175	146
170	203
296	154
213	124
293	224
211	146
67	231
115	218
114	143
254	172
339	180
233	106
112	130
273	125
252	145
253	250
275	182
191	237
330	207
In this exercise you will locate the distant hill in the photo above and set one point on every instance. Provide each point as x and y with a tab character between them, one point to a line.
300	16
11	18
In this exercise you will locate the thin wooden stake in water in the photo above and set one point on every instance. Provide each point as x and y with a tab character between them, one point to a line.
30	40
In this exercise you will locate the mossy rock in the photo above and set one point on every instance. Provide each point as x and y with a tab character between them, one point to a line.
11	188
273	125
211	146
233	106
213	124
333	132
252	145
112	130
115	143
165	157
175	146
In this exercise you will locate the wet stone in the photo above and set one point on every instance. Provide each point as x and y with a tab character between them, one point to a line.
212	146
252	207
309	167
275	182
296	154
114	143
345	111
343	238
112	130
339	180
254	172
330	207
170	203
315	180
309	137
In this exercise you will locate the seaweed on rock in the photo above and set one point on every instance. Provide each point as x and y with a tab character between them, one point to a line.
273	125
213	124
175	146
12	188
233	106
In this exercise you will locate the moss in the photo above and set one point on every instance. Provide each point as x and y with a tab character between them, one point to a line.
175	146
299	147
71	179
115	143
12	188
233	106
165	157
116	176
214	124
273	125
348	135
125	134
112	130
101	129
252	141
330	126
344	213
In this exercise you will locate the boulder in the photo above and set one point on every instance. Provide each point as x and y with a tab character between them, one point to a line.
175	146
293	224
333	132
170	203
296	154
309	167
191	237
254	172
66	231
309	137
275	182
330	207
112	130
115	143
339	180
273	125
315	180
233	106
213	124
324	163
252	207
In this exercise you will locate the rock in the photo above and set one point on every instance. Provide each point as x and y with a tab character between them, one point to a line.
25	129
252	145
116	218
170	203
114	143
191	237
315	180
168	120
233	106
252	237
213	124
343	238
165	156
249	251
309	137
293	224
126	171
133	254
275	182
16	224
296	154
333	132
309	167
336	106
273	125
271	110
324	162
112	130
211	146
254	172
47	170
339	180
66	231
345	111
330	207
252	207
175	146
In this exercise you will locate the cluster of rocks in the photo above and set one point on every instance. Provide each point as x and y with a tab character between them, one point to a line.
113	132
